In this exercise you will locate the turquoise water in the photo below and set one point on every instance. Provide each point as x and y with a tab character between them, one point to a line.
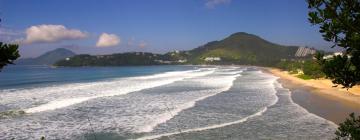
152	102
26	76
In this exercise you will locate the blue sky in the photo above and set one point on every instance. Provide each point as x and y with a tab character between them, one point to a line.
150	25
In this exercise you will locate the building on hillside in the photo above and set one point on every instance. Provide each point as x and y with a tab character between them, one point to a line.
182	61
211	59
163	61
332	55
304	51
174	52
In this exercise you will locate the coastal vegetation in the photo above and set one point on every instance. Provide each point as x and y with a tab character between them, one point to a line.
339	22
8	53
120	59
304	69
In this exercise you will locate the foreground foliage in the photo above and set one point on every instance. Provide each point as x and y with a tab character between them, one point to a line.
339	22
8	53
350	129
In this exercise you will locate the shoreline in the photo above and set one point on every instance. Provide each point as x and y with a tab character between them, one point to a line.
319	97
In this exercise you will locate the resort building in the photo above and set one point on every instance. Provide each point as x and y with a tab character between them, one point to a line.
332	55
163	61
304	51
211	59
182	61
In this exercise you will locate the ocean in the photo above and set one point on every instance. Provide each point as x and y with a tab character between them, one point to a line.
152	102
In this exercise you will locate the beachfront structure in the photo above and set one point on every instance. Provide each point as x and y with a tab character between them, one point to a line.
304	51
182	61
211	59
164	61
174	52
332	55
171	62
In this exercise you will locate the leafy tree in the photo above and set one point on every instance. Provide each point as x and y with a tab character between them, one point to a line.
339	22
291	66
312	69
8	53
350	129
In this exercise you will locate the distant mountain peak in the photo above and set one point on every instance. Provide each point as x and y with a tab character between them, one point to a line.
240	33
59	50
244	35
243	48
47	58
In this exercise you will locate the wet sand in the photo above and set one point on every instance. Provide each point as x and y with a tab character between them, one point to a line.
319	97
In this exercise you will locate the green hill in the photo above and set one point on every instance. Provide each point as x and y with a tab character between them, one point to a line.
242	48
239	48
119	59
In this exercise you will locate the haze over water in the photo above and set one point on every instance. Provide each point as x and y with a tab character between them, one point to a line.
152	102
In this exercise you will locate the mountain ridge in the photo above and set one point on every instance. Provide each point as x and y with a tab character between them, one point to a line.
243	48
239	48
47	58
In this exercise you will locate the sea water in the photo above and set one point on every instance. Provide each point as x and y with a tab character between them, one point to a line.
152	102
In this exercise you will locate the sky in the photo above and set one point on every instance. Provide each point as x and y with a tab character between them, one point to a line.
159	26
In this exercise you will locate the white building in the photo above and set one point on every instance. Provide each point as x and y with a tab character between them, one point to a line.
163	61
211	59
332	55
182	60
304	51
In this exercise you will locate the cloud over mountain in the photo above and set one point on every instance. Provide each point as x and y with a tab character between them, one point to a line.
108	40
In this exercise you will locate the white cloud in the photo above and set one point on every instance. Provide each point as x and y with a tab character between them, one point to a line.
51	33
143	44
214	3
108	40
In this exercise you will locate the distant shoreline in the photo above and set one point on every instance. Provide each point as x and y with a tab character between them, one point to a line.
319	97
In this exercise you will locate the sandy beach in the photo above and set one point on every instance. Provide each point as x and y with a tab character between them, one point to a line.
320	97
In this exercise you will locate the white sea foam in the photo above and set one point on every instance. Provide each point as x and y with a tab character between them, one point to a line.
120	90
164	117
61	96
272	81
165	74
141	111
259	113
278	85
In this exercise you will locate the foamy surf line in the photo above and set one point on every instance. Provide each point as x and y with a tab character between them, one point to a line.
259	113
166	116
57	104
300	107
204	128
